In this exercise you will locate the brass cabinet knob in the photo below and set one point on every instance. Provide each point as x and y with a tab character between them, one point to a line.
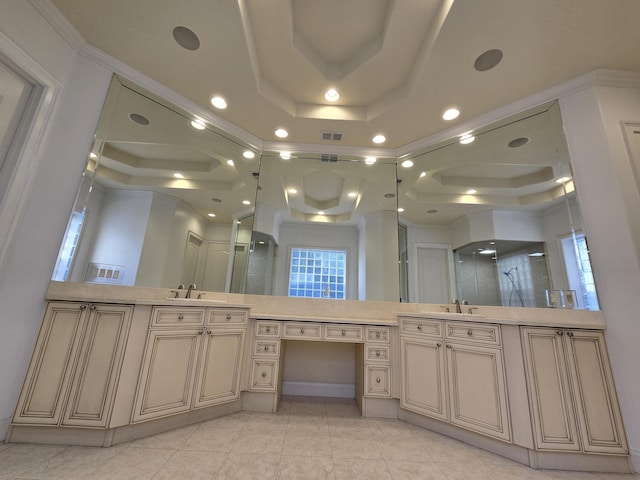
378	380
264	374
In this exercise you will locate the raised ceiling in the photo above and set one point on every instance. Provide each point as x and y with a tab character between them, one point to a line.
398	64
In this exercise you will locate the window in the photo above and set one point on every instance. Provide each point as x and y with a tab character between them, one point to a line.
579	273
68	248
317	273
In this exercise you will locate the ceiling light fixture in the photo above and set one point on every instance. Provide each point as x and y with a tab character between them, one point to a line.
246	202
400	209
370	160
407	164
451	114
423	174
379	139
285	155
563	179
487	60
281	133
467	138
139	119
198	124
219	102
178	175
230	163
211	215
248	154
186	38
518	142
352	194
320	212
486	252
93	155
292	191
332	95
471	191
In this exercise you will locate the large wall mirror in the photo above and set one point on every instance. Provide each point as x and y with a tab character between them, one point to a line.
167	200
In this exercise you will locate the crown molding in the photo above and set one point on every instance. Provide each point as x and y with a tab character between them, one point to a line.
59	22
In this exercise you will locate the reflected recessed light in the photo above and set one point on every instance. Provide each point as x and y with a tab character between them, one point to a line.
248	154
178	175
467	138
400	209
486	252
230	163
332	95
563	179
281	133
407	164
186	38
451	114
198	124
285	155
93	155
320	212
139	119
211	215
352	194
379	139
219	102
423	174
246	202
292	191
537	254
471	191
370	160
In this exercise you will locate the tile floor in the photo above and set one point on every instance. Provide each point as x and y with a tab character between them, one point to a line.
309	438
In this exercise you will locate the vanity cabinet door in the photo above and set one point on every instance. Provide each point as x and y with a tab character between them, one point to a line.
95	379
477	393
43	394
218	379
423	377
168	373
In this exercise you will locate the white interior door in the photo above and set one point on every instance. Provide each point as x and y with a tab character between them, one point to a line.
215	271
434	274
194	255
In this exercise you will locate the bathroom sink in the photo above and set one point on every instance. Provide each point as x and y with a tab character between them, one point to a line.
453	315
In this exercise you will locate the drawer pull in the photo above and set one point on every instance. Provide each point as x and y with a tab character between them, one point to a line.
92	307
377	334
470	332
343	333
200	332
302	330
228	316
180	317
266	348
570	334
264	374
438	344
377	353
82	307
378	380
448	346
559	332
419	327
268	329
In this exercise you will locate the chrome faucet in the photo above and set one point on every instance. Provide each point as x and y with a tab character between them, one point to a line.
192	287
456	302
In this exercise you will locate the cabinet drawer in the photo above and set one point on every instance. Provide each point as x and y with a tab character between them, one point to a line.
421	326
266	347
343	333
377	334
227	316
483	333
302	331
264	375
267	329
377	380
377	353
172	317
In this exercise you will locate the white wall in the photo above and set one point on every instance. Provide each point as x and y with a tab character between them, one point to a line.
609	199
50	193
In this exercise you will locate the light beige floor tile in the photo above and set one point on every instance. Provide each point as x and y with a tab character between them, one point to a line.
263	421
235	421
264	443
402	449
414	471
357	428
173	439
446	450
211	439
521	472
355	469
248	467
311	445
305	408
468	471
347	447
342	410
305	468
311	424
17	458
387	428
133	464
190	465
73	463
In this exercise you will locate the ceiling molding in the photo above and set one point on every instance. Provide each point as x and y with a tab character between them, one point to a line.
59	22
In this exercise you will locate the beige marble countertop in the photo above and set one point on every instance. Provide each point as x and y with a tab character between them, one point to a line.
323	310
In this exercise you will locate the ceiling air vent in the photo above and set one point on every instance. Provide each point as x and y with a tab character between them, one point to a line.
329	157
334	136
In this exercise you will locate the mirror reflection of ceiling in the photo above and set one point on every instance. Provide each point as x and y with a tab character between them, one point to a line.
397	64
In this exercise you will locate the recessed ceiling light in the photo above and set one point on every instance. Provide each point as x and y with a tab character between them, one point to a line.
230	163
281	133
246	202
139	119
285	155
400	209
432	211
248	154
563	179
186	38
178	175
488	60
216	200
352	194
451	114
519	142
486	252
332	95
467	138
536	254
320	212
407	164
211	215
471	191
219	102
370	160
93	155
389	195
292	191
198	124
423	174
379	139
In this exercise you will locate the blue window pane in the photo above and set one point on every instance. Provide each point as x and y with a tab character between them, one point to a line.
317	273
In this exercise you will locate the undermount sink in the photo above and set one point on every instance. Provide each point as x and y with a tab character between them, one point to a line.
453	315
195	301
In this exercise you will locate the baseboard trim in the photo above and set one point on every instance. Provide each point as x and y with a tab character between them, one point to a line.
315	389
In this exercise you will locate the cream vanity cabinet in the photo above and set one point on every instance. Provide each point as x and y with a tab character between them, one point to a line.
454	372
265	360
75	366
192	359
572	396
377	358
